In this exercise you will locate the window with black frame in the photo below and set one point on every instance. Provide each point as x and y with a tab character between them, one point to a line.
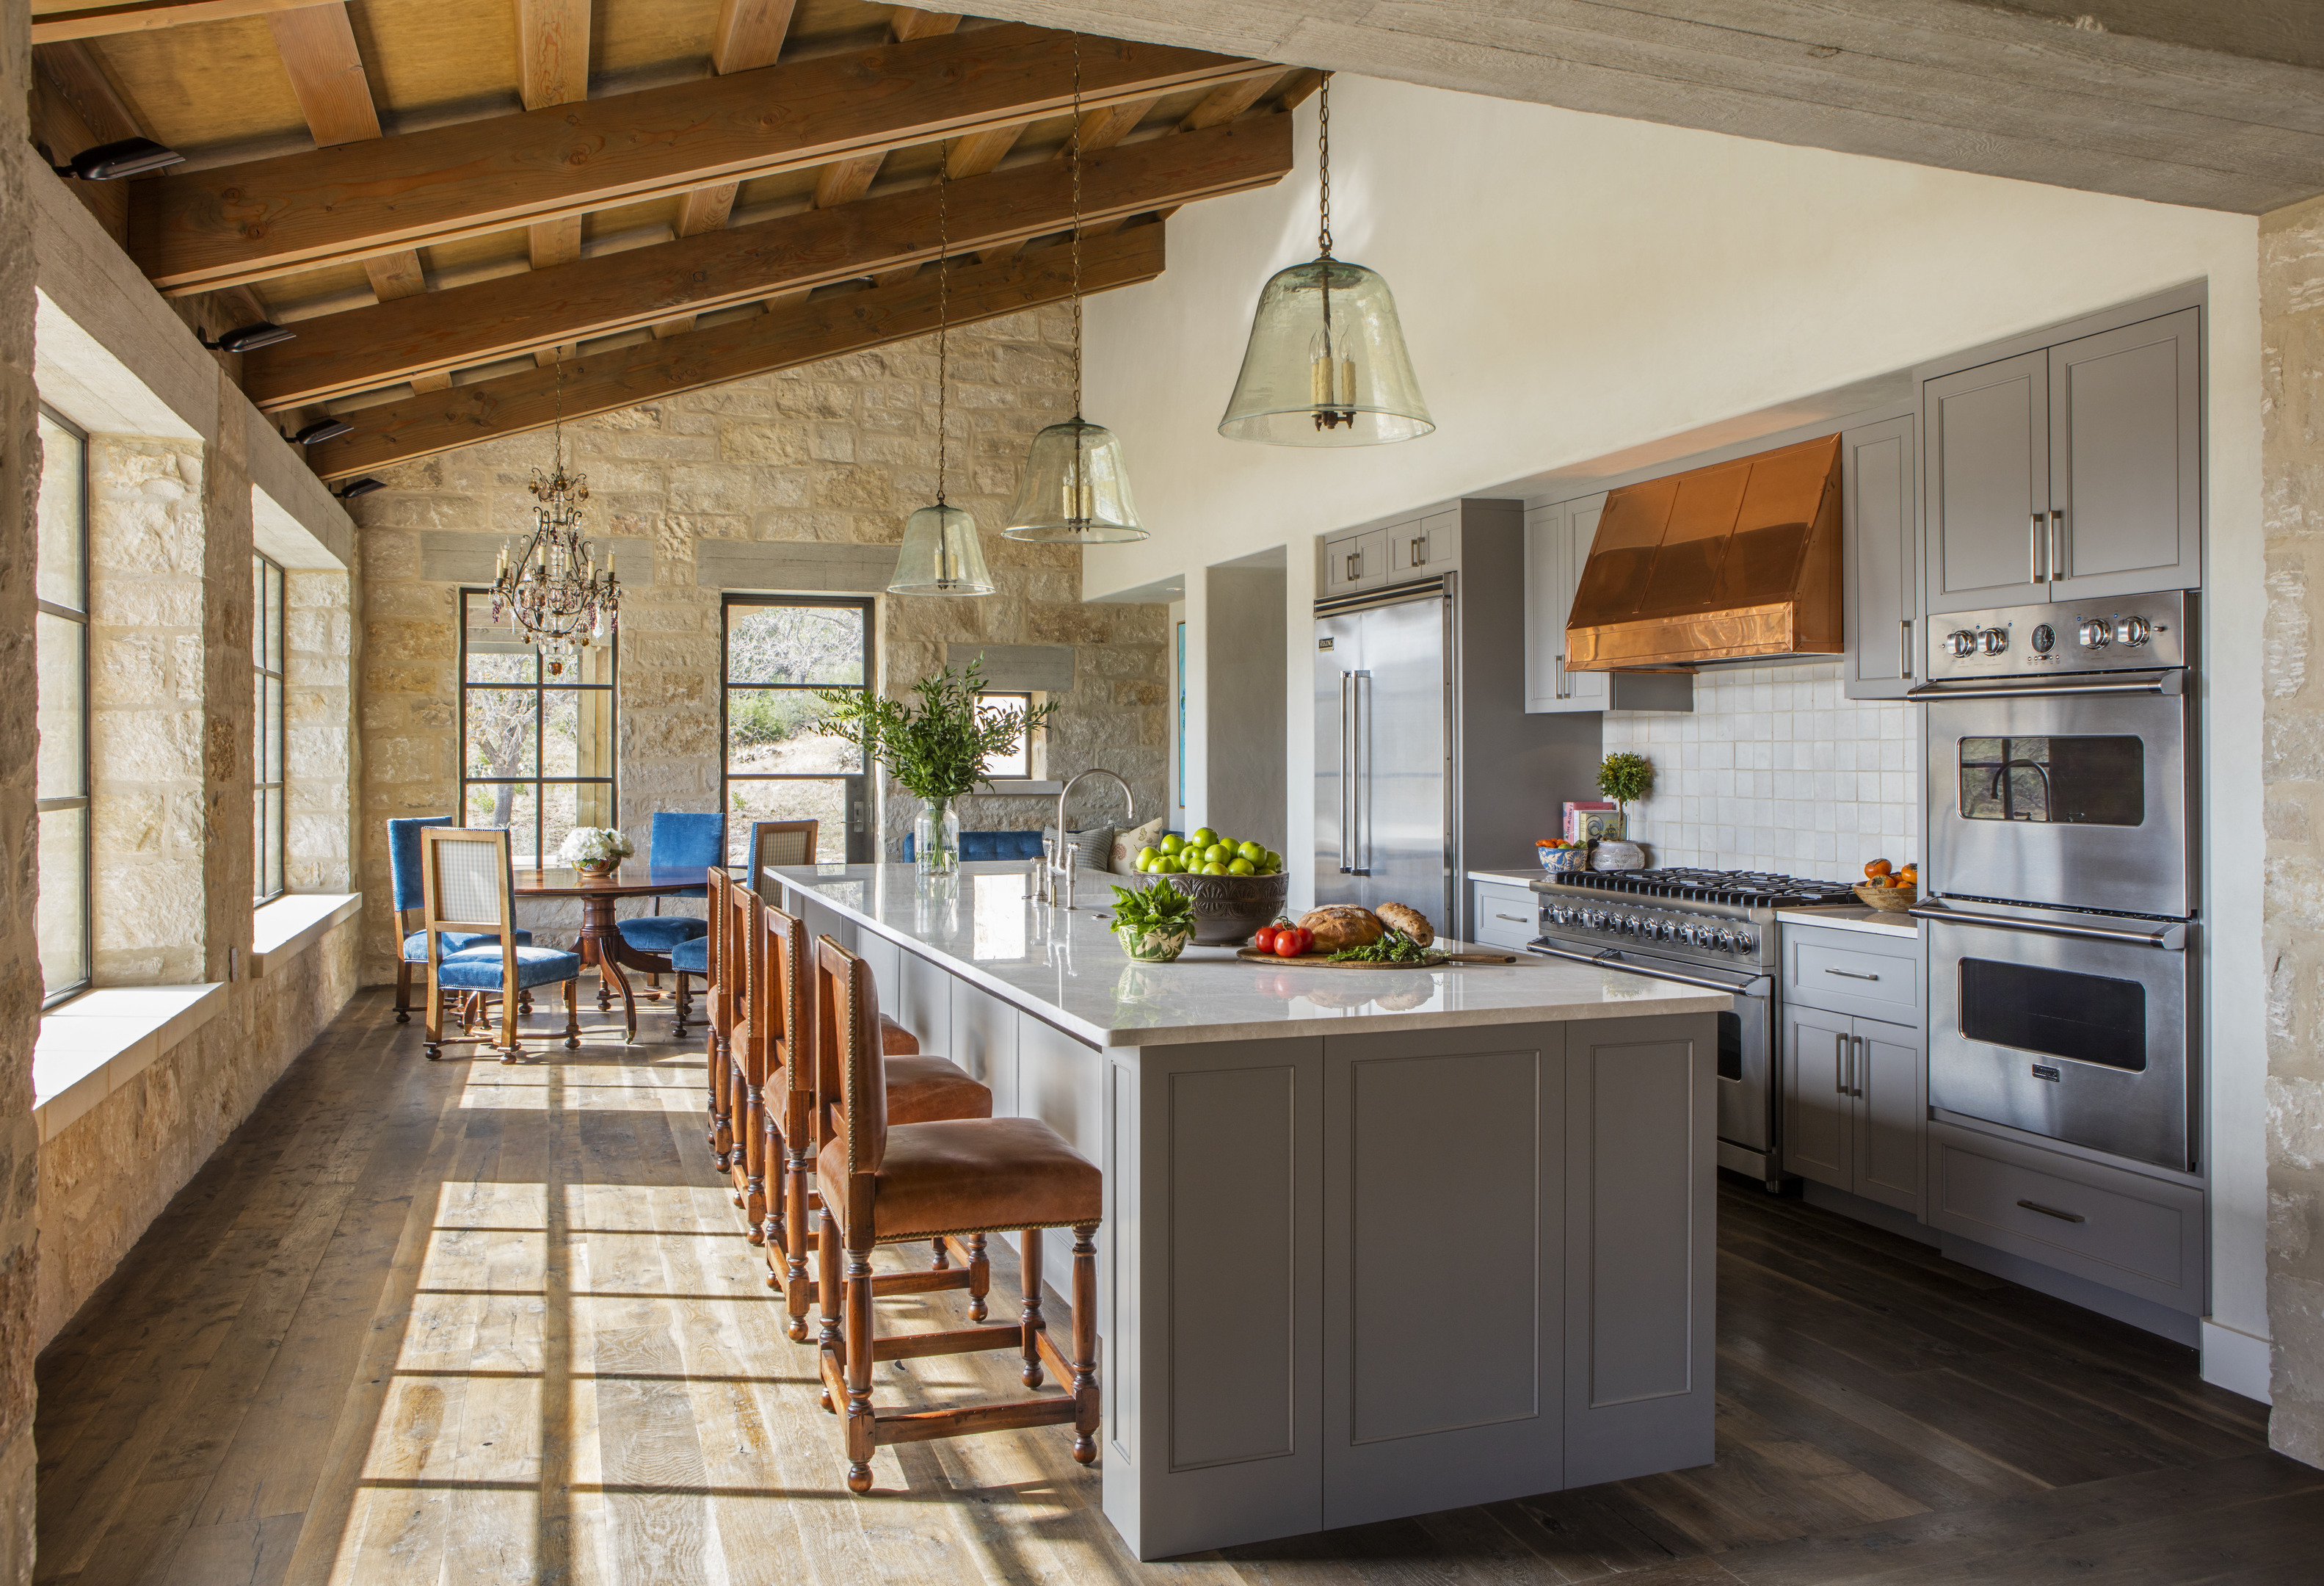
1017	765
60	774
536	753
779	649
267	814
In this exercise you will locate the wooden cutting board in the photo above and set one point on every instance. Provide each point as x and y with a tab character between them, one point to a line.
1324	959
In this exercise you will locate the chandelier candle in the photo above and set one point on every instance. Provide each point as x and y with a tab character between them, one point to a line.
553	592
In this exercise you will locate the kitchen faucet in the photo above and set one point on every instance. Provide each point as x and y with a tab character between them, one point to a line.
1063	864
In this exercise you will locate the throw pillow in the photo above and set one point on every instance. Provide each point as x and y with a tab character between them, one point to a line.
1126	844
1094	843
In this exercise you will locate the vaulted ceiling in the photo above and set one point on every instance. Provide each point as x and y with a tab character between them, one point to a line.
475	213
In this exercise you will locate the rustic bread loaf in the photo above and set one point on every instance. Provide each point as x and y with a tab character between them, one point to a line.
1341	925
1408	920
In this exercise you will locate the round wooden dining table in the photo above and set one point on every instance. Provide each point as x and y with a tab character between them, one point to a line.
602	943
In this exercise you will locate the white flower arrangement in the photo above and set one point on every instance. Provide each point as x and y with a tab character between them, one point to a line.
594	845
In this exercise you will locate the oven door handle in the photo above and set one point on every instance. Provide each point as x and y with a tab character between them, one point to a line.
2174	682
1611	958
2170	937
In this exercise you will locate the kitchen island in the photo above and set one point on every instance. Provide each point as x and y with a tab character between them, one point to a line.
1377	1241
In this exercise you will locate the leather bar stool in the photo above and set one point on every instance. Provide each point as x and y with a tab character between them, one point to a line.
748	1030
885	1181
919	1087
718	1009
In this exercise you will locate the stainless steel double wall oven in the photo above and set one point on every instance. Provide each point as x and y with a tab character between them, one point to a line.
2061	872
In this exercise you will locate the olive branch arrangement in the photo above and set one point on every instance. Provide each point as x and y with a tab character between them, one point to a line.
937	752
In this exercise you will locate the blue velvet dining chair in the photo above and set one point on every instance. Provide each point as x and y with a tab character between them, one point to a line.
403	873
679	841
989	845
467	888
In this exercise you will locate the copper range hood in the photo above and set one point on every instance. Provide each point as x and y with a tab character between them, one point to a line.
1724	563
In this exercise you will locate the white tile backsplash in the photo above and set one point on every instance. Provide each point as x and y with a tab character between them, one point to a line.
1775	770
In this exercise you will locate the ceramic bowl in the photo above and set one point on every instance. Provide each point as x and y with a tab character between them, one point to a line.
1889	900
1229	908
1151	946
1558	860
1618	856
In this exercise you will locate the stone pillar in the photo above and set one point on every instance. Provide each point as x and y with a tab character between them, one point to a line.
320	752
229	704
2291	329
20	968
148	608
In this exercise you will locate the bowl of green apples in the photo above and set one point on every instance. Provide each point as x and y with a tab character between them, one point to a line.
1237	886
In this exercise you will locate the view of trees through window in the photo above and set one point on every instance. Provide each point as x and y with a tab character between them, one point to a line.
778	650
266	813
535	757
60	638
1018	762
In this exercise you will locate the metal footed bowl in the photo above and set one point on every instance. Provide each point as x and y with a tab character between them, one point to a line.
1229	908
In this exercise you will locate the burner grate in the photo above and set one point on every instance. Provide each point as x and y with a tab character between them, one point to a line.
1749	888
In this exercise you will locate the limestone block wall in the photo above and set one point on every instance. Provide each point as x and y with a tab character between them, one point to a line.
2291	309
20	969
319	743
838	453
104	1180
147	680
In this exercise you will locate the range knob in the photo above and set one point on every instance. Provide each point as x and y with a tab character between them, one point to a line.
2131	631
1666	931
1993	641
2095	634
1631	925
1961	642
1686	934
1744	943
1726	942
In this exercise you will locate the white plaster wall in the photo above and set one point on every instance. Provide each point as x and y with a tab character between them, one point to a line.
1573	285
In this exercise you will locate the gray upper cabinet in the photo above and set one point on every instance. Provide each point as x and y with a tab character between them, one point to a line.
2125	440
1880	502
1354	562
2071	472
1986	435
1424	548
1557	543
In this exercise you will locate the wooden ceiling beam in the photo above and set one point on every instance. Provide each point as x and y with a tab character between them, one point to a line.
552	48
100	22
789	335
318	51
365	348
909	21
750	34
238	223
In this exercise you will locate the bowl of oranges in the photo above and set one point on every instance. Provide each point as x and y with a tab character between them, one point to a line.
1889	889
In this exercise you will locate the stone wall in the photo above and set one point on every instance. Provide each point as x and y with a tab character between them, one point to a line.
2292	311
107	1176
20	969
832	454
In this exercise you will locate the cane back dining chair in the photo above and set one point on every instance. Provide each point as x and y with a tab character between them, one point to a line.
403	873
884	1183
467	885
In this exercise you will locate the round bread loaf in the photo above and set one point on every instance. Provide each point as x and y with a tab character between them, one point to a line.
1408	920
1341	925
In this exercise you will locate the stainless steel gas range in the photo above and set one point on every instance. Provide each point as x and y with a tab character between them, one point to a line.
1711	928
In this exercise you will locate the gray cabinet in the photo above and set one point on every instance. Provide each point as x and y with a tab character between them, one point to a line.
1880	515
1355	563
1426	547
1502	915
1557	543
2070	472
1855	1073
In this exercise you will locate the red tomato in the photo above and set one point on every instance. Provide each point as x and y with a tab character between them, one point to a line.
1291	942
1265	940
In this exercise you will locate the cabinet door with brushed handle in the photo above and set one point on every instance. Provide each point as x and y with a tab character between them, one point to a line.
2126	450
1818	1072
1892	1115
1557	544
1880	492
1986	464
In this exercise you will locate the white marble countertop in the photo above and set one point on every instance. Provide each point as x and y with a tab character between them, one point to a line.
1852	919
1518	877
1066	968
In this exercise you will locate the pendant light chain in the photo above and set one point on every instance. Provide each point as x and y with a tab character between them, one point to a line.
1077	225
943	312
1323	165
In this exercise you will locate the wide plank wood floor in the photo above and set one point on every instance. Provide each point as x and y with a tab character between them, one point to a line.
466	1322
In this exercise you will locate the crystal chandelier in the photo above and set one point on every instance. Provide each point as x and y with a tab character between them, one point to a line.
1326	363
1077	489
556	598
940	555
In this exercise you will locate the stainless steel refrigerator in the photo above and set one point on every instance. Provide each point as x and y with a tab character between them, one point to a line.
1426	763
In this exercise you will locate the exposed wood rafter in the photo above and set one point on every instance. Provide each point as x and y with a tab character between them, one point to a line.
365	348
99	21
246	222
790	334
750	34
552	45
319	49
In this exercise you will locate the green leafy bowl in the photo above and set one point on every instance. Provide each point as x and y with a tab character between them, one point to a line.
1149	945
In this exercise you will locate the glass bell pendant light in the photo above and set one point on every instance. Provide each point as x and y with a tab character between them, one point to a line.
940	555
1075	490
1326	365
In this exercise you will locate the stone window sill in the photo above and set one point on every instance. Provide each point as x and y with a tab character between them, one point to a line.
292	924
1008	788
99	1041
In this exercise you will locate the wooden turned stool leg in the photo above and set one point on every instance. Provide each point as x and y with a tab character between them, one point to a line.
722	1132
860	1427
573	1016
754	1166
795	1286
1085	1399
826	1263
1029	1262
524	1003
980	1277
941	1260
681	1004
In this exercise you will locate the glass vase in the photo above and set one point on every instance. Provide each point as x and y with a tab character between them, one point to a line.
935	839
